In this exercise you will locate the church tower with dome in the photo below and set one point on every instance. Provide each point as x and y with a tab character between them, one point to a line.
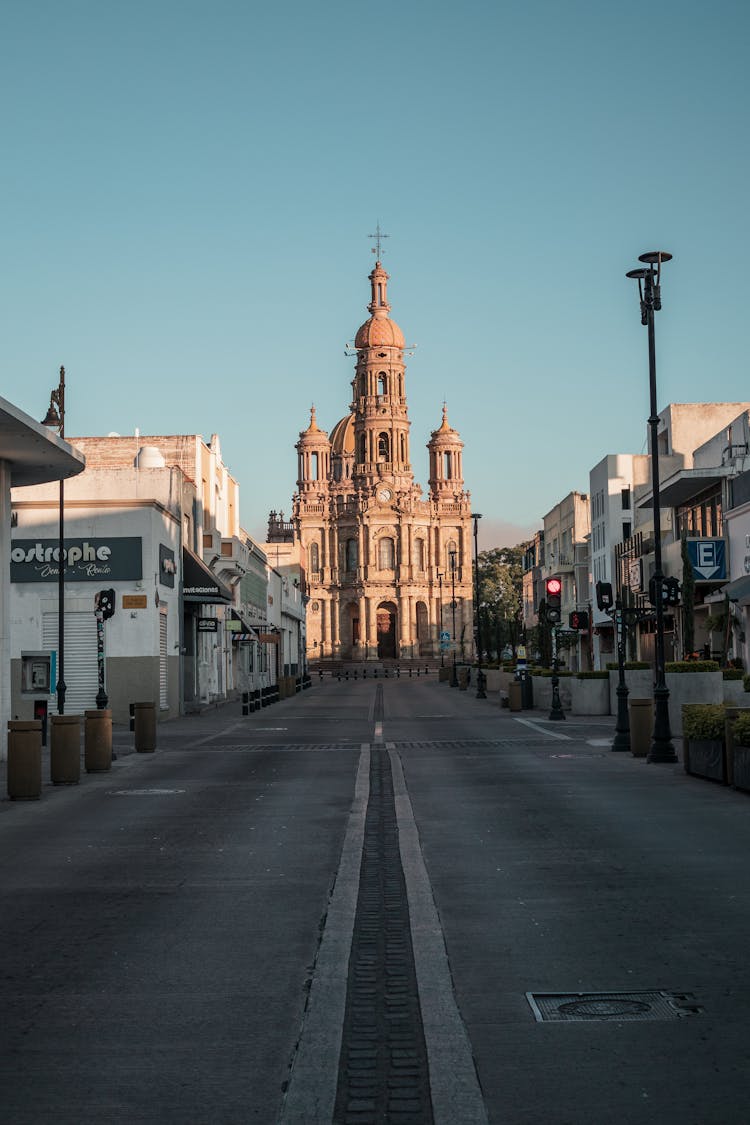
381	561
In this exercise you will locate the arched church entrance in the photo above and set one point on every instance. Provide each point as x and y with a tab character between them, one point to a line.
386	622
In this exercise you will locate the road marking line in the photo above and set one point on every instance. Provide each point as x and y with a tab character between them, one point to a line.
313	1081
454	1085
543	730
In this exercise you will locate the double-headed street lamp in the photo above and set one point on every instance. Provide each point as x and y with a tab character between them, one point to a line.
481	693
55	419
649	289
440	587
452	564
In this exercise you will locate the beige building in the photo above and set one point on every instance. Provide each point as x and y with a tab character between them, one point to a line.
381	561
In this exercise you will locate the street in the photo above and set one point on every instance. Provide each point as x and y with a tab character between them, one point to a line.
176	932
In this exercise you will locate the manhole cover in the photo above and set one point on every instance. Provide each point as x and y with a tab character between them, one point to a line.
142	792
619	1006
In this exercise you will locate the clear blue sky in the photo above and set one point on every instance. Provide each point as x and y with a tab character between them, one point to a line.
187	189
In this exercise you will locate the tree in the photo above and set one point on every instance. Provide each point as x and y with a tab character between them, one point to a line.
500	595
688	601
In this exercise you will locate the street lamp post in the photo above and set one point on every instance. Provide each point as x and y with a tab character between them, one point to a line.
440	586
481	693
621	740
55	419
452	563
649	289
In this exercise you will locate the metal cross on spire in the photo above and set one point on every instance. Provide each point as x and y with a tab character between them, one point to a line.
378	236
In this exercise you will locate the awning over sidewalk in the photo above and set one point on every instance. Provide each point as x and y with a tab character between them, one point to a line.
240	629
199	584
739	590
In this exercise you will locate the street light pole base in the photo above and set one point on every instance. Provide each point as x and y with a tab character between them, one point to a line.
662	750
621	740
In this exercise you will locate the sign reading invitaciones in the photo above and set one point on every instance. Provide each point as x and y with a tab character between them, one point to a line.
86	560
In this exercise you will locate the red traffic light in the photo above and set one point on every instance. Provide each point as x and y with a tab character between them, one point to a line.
554	587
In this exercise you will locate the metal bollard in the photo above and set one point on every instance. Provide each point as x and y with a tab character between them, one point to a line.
145	727
65	750
24	759
97	740
246	703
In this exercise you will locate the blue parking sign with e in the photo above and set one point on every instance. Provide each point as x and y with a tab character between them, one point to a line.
709	558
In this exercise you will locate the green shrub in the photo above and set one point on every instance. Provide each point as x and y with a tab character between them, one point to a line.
741	729
746	681
629	665
691	666
703	721
732	674
593	675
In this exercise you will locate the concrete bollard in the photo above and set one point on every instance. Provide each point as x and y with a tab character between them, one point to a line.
145	727
65	750
97	740
25	760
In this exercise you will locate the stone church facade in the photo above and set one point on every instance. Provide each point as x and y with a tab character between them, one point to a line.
381	561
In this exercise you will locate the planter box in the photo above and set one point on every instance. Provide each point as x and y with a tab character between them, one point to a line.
589	697
691	687
741	768
735	694
639	682
543	692
705	758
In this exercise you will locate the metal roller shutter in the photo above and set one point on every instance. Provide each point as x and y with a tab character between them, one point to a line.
163	665
81	671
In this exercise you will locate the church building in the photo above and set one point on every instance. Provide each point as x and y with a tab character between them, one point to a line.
387	570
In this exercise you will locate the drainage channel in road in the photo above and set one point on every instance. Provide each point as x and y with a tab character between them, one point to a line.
383	1074
382	1039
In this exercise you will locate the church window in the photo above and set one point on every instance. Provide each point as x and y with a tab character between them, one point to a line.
384	446
351	554
447	466
315	558
419	554
380	294
363	447
314	466
403	447
387	554
382	383
451	557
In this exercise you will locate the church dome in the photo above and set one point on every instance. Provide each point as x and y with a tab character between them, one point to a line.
378	332
313	435
342	435
445	435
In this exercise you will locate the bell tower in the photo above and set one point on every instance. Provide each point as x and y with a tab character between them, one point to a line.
446	470
381	422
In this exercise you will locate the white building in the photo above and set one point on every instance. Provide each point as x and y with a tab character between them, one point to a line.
29	455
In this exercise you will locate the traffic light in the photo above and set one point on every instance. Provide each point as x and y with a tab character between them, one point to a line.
604	598
105	603
553	588
670	591
578	619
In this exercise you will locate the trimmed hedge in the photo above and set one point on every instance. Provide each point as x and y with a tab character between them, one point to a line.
732	674
703	721
741	730
629	665
691	666
592	675
548	672
746	681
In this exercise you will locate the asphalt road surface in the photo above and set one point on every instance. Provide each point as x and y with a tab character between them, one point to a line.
176	933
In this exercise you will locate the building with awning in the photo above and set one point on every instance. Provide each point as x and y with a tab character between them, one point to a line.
200	586
29	454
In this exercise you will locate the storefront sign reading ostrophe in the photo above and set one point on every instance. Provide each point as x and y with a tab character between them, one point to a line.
86	560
